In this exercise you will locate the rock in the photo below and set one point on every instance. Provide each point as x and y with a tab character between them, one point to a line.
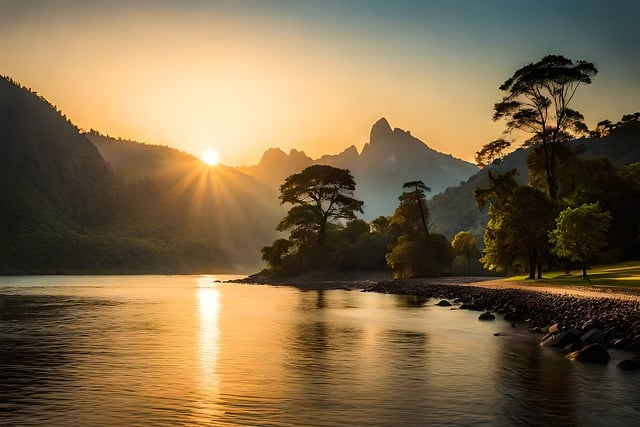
553	329
561	339
629	365
621	343
593	336
593	353
590	324
486	316
443	303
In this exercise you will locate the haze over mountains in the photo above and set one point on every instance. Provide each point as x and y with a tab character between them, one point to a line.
388	160
76	202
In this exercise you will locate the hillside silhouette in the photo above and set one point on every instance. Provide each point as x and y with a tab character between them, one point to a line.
65	209
75	202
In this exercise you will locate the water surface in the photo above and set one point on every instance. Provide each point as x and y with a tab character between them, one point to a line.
185	350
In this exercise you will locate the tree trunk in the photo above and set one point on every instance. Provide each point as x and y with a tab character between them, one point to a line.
532	264
539	271
584	271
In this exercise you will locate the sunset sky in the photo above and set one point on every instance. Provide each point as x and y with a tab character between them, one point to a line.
244	76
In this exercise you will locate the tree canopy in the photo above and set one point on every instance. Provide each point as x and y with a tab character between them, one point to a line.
537	102
320	194
580	233
464	243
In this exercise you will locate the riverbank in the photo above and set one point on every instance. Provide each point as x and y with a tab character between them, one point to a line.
613	313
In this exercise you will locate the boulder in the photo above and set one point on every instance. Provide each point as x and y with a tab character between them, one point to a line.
486	316
593	353
443	303
591	324
561	339
629	365
621	343
593	336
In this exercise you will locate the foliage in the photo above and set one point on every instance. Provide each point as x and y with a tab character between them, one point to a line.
580	233
491	151
321	197
537	102
519	219
414	252
320	194
464	244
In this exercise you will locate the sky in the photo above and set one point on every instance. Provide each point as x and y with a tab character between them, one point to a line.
246	75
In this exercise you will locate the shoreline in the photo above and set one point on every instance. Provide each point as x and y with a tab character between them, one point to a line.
573	318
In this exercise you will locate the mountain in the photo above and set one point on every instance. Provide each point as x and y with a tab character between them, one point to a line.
388	160
455	209
275	165
85	203
177	194
51	174
393	157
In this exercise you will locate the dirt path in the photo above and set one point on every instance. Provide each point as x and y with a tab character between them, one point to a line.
593	290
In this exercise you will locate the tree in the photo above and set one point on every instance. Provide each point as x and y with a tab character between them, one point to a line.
464	243
320	194
420	200
580	233
414	253
491	151
537	102
519	220
276	254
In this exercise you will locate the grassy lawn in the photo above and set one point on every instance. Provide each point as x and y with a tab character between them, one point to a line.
621	275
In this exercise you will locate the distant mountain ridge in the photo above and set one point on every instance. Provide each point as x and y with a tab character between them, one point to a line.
75	202
86	203
389	159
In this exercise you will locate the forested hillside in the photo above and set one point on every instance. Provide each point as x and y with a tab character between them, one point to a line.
146	209
455	209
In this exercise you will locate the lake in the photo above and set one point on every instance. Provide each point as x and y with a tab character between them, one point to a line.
187	350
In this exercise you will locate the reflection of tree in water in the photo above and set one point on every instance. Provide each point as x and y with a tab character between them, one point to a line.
411	301
536	389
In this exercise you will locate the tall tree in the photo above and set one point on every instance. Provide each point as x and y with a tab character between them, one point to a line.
519	219
320	194
420	201
537	102
414	253
580	233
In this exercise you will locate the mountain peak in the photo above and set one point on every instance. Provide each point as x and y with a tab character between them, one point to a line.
380	130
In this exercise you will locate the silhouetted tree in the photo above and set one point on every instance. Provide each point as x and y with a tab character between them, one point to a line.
414	253
420	200
537	102
491	151
320	194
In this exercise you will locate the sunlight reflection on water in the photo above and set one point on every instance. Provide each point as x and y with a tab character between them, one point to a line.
186	350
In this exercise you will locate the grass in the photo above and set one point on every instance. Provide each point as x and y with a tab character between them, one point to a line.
620	275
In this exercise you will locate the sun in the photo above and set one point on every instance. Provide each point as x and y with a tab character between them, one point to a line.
210	156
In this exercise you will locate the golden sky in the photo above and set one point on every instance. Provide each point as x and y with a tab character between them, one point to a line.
244	76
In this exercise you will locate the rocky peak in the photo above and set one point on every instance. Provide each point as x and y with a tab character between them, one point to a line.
380	131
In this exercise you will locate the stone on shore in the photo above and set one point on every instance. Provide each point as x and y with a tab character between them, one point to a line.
443	303
487	316
593	353
593	336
